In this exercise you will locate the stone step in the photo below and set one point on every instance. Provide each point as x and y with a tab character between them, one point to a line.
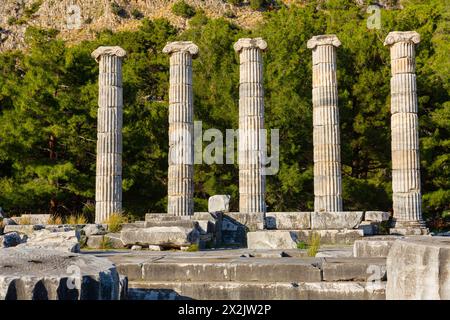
172	290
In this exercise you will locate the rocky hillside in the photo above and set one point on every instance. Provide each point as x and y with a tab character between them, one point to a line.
80	19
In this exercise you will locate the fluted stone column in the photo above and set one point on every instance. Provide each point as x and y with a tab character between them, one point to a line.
181	129
252	182
405	132
326	137
108	194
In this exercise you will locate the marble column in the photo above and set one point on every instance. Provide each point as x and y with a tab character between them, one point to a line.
181	129
326	136
407	200
252	182
108	184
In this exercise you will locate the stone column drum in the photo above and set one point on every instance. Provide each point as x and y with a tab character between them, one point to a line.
181	129
251	123
405	132
108	193
326	136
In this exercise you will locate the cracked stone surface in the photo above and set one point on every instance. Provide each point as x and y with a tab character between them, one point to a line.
39	274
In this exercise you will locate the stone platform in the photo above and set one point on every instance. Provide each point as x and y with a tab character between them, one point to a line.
249	274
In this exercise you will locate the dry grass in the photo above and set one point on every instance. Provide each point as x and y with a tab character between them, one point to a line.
76	219
115	222
55	220
314	244
25	220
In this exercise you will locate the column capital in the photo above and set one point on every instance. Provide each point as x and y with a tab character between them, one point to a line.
323	40
177	46
109	51
401	36
250	43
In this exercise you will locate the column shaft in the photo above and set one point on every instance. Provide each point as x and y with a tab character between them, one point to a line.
405	131
181	129
252	180
108	195
326	136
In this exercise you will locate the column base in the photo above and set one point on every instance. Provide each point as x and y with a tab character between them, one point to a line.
408	228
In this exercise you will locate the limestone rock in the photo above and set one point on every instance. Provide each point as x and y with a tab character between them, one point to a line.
106	241
27	229
288	220
161	236
136	247
37	218
418	268
336	220
219	203
62	241
94	229
41	274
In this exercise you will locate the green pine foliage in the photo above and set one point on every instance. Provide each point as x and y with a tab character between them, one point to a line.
48	105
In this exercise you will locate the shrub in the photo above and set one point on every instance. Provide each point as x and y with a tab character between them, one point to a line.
257	4
183	9
235	2
118	10
56	220
229	14
33	8
302	245
115	222
12	21
76	219
193	248
105	243
137	14
314	244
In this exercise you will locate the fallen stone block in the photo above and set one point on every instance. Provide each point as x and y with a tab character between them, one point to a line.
61	241
184	223
219	203
27	229
273	239
133	225
41	274
93	229
376	216
288	220
171	237
106	241
336	220
418	268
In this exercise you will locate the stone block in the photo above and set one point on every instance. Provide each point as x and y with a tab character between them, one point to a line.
162	236
11	239
61	241
376	216
106	241
133	225
273	239
377	246
288	220
252	221
368	228
332	236
336	220
418	268
93	229
354	269
219	203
